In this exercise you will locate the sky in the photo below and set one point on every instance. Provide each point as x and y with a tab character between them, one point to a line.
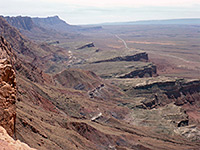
100	11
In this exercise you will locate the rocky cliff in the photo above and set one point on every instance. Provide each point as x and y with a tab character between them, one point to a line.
7	88
24	23
87	45
143	56
168	103
54	23
121	69
8	143
161	92
146	71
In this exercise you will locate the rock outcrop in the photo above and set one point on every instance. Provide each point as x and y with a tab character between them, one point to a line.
178	91
8	143
121	69
165	103
146	71
88	45
54	23
135	57
49	21
24	23
7	88
191	132
161	91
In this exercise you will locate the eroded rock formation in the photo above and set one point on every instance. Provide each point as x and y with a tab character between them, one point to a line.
7	88
135	57
88	45
179	91
8	143
146	71
20	22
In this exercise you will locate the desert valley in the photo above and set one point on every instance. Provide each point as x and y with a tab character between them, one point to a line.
117	86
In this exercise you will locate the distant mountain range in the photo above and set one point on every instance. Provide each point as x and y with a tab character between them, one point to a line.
187	21
45	24
47	28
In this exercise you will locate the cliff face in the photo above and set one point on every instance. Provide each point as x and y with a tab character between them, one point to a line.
146	71
136	57
171	105
7	88
54	23
19	22
160	93
88	45
50	21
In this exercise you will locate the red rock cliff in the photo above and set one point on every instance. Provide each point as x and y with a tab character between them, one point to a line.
7	88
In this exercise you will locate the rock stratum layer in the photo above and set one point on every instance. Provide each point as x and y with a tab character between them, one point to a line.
19	22
167	103
143	56
7	88
161	92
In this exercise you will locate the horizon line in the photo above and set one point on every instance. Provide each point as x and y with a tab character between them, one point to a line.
128	21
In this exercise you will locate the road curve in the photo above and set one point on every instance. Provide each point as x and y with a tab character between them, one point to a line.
126	46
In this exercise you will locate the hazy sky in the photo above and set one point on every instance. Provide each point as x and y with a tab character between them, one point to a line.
98	11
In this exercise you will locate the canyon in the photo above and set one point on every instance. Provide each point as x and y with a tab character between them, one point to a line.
69	87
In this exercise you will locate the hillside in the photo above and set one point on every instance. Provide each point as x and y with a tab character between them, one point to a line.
32	30
34	53
63	103
8	92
